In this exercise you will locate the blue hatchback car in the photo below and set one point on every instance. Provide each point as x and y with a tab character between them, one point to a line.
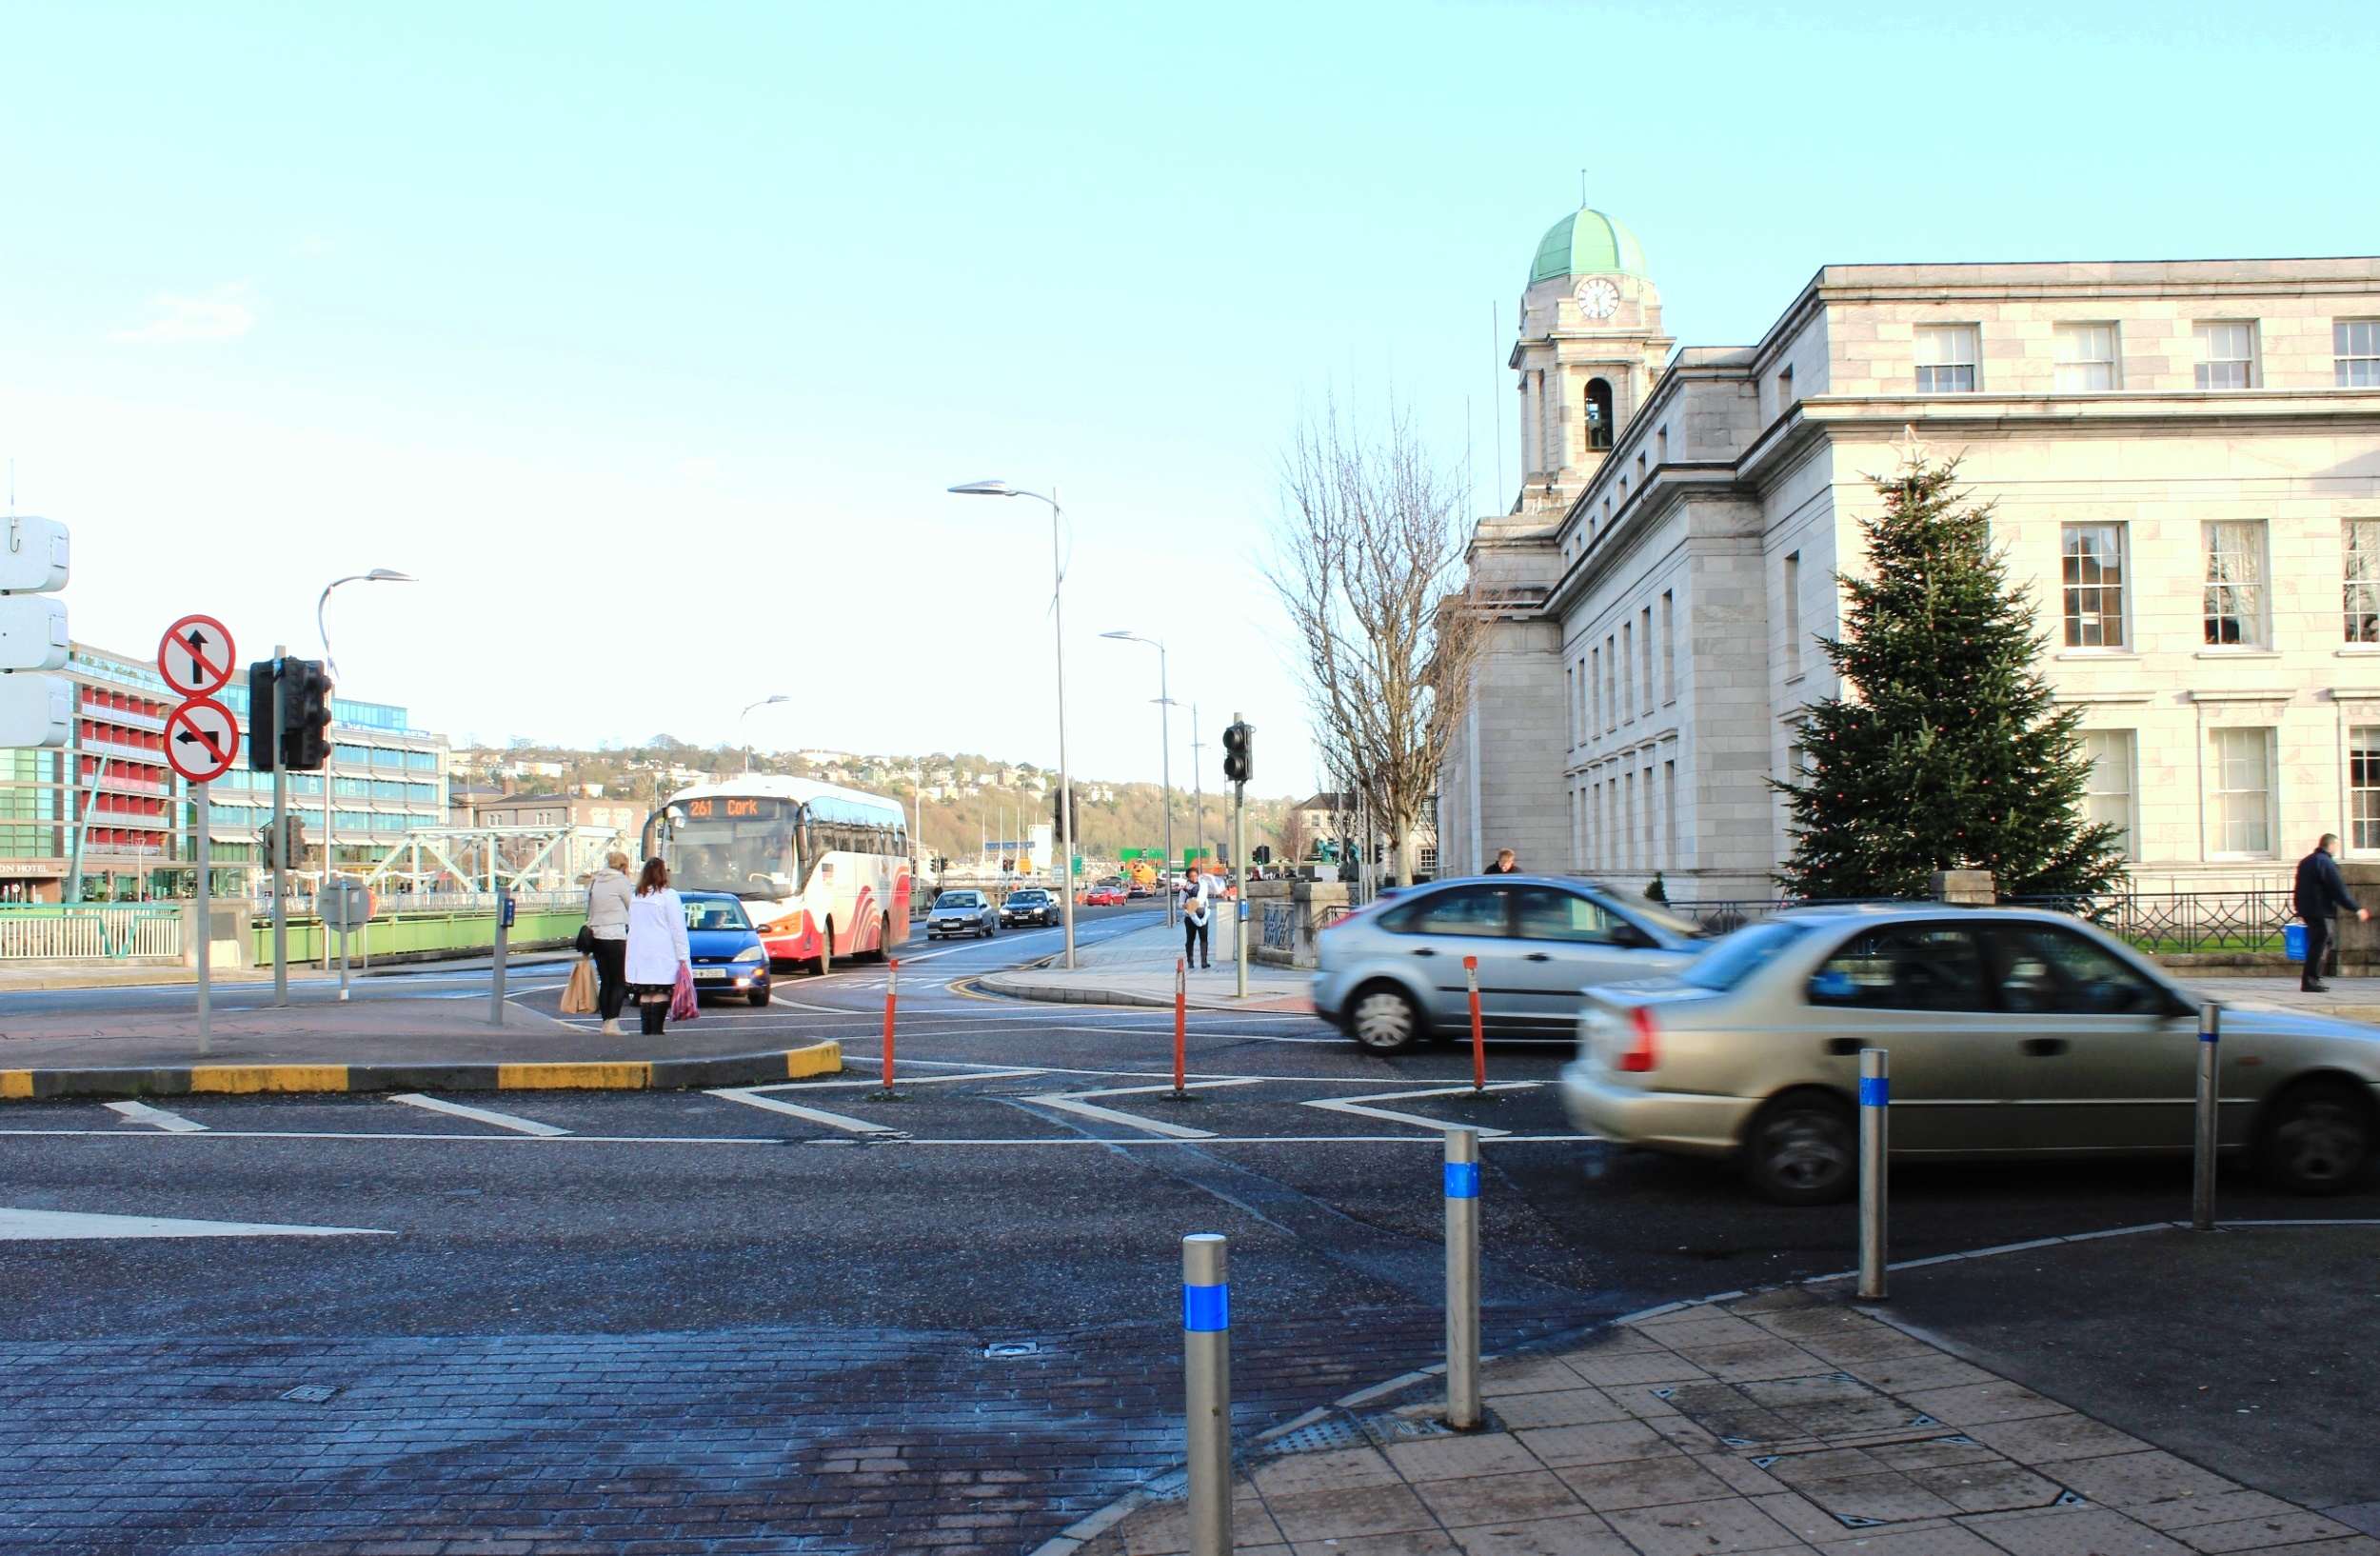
726	952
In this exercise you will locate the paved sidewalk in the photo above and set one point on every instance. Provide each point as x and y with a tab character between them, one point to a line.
1787	1421
1138	969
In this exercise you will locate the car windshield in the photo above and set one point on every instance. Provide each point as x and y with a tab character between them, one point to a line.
1030	896
1741	954
958	899
713	913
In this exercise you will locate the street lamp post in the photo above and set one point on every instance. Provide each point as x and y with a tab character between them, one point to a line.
1165	763
745	729
322	630
1057	619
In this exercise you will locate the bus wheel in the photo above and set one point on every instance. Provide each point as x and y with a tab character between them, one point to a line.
824	963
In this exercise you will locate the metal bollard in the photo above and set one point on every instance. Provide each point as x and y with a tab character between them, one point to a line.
1182	1023
1206	1389
503	943
892	987
1875	1096
2209	1116
1478	1037
1463	1279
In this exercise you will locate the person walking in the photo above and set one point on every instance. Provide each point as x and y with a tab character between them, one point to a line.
609	894
2321	891
1507	863
1197	946
657	945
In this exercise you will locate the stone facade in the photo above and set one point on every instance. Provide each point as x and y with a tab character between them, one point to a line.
2139	427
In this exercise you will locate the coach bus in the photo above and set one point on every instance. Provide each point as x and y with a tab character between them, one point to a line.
824	871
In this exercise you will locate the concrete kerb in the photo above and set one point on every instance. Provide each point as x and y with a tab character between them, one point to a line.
540	1075
1165	1485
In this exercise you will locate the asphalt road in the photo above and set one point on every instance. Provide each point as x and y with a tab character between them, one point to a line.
1024	1183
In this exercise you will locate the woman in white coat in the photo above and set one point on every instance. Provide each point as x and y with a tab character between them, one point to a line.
608	897
657	945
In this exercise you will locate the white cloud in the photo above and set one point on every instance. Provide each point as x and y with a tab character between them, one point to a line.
224	314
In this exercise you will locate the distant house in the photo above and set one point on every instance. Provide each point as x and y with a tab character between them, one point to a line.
1329	814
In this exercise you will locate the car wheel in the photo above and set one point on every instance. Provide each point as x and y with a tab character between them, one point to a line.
824	963
759	996
1803	1150
2317	1138
1382	1020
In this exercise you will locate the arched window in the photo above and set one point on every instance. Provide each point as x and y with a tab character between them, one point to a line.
1599	414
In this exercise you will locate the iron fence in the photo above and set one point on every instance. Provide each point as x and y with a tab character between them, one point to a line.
88	932
2214	921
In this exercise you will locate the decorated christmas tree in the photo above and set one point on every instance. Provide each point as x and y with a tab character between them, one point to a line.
1947	750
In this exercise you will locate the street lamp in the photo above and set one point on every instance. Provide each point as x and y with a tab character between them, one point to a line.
322	630
1166	764
742	730
1057	588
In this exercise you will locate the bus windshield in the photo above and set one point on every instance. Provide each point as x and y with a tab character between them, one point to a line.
745	845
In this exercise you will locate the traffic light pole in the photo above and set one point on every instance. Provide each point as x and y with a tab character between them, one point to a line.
280	842
1239	871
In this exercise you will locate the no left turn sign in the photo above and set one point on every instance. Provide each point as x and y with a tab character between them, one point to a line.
196	657
202	739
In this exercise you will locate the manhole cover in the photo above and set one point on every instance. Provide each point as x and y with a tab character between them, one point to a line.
309	1393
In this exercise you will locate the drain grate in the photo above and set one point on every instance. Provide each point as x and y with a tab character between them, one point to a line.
309	1393
1335	1431
1004	1349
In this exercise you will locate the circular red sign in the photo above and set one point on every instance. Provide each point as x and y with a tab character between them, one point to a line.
202	739
196	657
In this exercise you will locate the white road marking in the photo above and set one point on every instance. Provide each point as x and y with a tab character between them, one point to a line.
479	1115
1356	1105
75	1226
1072	1102
815	1115
779	1139
140	1113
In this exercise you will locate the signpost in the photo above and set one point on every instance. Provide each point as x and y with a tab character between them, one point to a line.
202	741
346	907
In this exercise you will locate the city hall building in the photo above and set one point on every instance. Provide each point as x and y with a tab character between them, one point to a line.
2184	459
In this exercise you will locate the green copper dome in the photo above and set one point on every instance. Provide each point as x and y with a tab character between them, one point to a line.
1584	244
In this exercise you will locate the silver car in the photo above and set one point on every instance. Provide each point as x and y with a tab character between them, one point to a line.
1392	973
2011	1033
963	913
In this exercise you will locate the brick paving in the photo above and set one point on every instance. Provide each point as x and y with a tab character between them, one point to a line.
1787	1422
759	1441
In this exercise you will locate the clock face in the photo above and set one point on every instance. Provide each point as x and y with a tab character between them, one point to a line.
1598	299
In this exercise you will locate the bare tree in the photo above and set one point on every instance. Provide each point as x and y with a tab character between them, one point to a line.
1369	558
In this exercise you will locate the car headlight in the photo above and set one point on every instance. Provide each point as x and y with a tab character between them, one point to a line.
751	953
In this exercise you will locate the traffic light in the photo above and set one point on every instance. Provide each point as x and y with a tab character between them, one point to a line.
264	704
1239	752
304	714
36	709
1260	854
1058	818
291	851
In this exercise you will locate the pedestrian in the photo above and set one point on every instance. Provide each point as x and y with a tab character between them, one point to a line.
2321	891
1197	946
657	945
608	894
1507	863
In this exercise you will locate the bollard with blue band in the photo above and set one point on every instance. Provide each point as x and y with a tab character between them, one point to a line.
1463	1279
1206	1389
2210	1114
1875	1097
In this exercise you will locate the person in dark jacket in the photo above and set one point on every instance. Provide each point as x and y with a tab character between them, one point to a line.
1507	863
2321	891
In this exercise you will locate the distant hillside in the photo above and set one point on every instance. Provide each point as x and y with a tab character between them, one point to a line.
967	797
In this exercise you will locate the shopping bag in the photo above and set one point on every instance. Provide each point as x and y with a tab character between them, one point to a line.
683	1004
578	996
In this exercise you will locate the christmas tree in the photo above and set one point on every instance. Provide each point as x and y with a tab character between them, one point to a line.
1948	751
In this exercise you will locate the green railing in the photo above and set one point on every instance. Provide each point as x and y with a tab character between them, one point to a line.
88	932
418	934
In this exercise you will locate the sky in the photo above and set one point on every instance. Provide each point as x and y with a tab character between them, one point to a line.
649	338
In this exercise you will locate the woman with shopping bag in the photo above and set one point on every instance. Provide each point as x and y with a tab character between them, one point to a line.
609	894
658	961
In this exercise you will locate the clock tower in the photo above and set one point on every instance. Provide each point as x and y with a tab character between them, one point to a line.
1588	348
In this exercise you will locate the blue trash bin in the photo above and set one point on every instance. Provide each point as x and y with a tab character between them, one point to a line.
2294	942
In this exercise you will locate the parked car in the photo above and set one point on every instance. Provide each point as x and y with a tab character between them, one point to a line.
963	913
1139	889
1103	896
725	950
1392	973
1031	905
2010	1033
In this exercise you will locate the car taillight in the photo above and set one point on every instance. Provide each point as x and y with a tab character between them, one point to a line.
1642	1053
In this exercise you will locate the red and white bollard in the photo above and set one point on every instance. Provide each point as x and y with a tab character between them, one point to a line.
1182	1021
892	986
1479	1039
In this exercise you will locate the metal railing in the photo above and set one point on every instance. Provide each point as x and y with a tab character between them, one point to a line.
2225	919
87	932
387	903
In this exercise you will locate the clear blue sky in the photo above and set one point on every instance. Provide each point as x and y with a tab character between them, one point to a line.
649	337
